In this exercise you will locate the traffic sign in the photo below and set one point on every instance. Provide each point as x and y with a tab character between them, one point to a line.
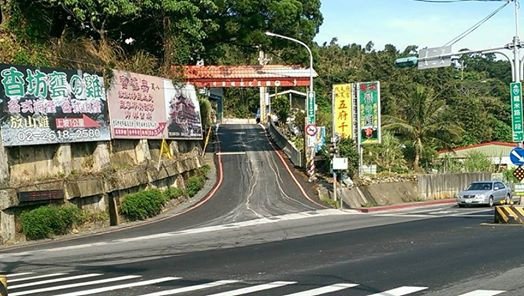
311	130
519	173
516	112
517	156
435	57
310	107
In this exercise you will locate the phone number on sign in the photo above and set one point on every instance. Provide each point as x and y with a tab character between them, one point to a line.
60	136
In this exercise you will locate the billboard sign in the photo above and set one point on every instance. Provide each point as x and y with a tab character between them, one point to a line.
136	106
342	110
182	111
368	98
49	106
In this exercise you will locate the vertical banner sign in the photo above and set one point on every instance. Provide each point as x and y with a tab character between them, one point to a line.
136	106
49	106
516	111
310	107
368	95
320	138
342	110
182	111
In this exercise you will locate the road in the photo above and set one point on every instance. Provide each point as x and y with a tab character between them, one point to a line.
279	243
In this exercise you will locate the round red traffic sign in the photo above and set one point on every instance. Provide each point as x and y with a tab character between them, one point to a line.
311	130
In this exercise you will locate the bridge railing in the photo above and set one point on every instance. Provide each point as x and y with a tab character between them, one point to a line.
295	155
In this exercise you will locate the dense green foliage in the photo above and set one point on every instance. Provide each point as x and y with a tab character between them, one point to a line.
194	184
144	204
45	221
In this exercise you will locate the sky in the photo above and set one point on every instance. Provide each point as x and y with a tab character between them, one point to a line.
410	22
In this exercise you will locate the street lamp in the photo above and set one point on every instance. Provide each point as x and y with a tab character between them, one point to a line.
308	50
311	96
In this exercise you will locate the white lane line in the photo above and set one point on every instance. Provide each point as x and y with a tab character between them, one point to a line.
119	287
54	288
18	274
36	277
76	247
146	237
64	279
483	293
254	289
400	291
188	289
324	290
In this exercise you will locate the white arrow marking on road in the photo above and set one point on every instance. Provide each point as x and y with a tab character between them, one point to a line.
324	290
483	293
254	289
520	158
191	288
400	291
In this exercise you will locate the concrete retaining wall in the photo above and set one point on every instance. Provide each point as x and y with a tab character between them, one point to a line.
426	187
295	155
93	176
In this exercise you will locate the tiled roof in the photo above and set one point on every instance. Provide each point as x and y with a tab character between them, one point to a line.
252	71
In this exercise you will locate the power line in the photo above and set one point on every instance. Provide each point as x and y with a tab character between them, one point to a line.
477	25
455	1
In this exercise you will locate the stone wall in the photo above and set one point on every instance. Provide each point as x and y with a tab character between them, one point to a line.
93	176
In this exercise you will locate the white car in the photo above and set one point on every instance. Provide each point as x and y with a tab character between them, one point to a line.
484	193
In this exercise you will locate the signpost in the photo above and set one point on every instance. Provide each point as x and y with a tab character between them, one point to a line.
516	111
435	57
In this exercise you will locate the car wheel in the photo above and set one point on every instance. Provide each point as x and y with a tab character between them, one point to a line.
491	202
461	205
508	199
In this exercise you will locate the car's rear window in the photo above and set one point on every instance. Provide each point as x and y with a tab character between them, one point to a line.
480	186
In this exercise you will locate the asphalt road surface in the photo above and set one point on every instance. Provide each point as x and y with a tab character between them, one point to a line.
279	243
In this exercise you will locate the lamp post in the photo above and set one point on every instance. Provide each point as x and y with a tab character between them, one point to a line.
310	104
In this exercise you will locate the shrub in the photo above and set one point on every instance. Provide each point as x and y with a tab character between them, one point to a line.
173	193
143	205
194	184
45	221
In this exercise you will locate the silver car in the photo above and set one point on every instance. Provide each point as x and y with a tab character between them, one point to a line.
484	193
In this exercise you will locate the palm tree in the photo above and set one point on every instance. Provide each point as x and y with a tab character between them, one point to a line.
422	121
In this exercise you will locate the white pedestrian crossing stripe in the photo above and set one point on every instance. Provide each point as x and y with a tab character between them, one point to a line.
400	291
483	293
29	283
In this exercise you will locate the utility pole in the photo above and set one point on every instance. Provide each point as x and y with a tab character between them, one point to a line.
263	60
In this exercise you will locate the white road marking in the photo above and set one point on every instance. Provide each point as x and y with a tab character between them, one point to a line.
324	290
36	277
400	291
483	293
57	280
76	247
119	287
54	288
146	237
189	289
231	153
18	274
253	289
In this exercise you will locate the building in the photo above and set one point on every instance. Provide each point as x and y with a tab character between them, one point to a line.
497	152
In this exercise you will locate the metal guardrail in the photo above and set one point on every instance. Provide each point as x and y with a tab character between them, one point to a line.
295	155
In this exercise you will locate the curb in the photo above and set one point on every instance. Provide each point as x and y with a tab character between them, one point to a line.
407	205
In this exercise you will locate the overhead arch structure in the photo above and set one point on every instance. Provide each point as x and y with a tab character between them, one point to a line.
261	76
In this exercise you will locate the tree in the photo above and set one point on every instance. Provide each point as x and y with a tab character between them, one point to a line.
423	122
280	106
387	155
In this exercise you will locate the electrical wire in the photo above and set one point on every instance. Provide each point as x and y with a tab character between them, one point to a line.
455	1
477	25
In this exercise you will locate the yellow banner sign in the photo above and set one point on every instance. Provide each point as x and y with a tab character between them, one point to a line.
343	110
